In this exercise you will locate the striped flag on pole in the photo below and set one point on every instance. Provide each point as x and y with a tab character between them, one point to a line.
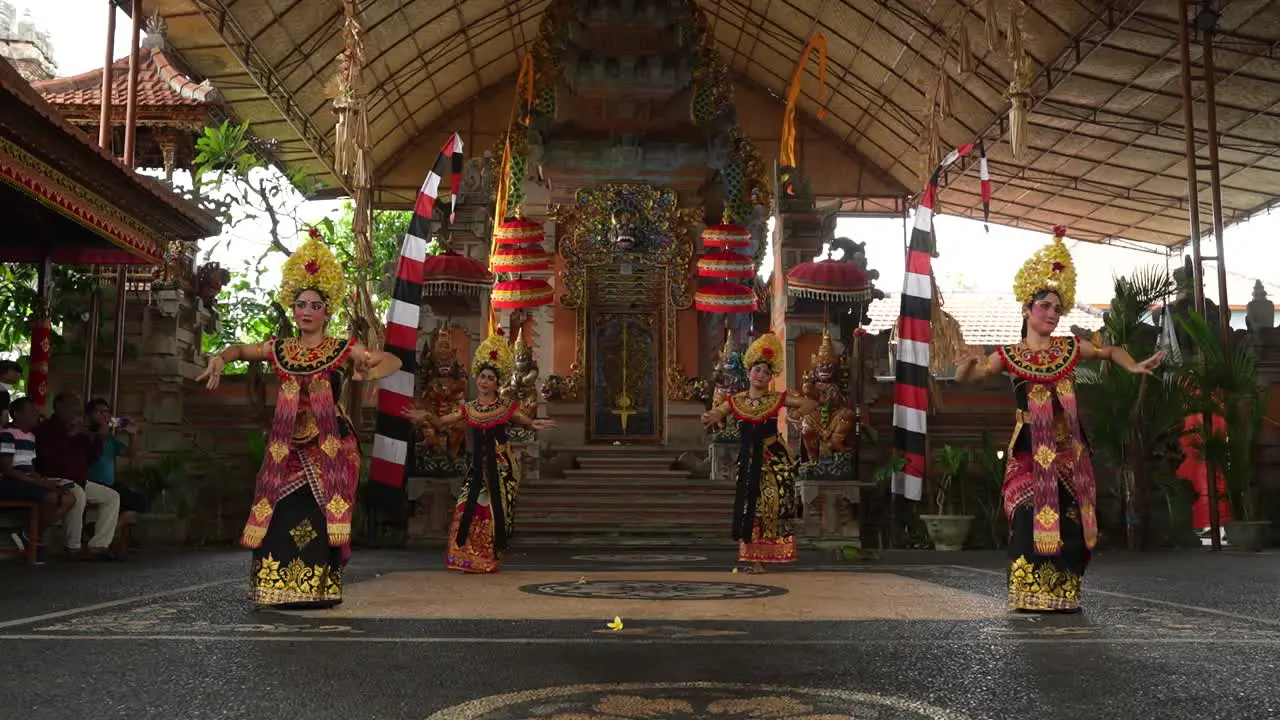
393	433
915	332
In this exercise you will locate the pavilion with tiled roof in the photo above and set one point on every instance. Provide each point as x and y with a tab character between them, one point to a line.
173	109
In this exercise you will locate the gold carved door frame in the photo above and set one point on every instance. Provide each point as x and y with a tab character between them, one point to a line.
637	226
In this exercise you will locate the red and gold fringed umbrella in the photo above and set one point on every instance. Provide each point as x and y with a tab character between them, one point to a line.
725	298
521	294
832	281
520	259
725	264
452	274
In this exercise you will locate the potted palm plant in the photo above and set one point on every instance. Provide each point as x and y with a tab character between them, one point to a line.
948	530
1227	383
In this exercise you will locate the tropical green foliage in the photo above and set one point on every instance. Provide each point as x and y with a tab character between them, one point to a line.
19	301
1226	383
227	159
1134	421
950	462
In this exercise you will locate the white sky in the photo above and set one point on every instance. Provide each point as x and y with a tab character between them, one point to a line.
970	259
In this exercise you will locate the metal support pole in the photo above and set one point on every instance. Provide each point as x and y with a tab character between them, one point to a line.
1215	195
104	115
131	101
117	360
91	339
1193	211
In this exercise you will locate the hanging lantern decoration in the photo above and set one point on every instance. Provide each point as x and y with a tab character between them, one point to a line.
521	294
518	231
725	298
519	259
726	264
726	235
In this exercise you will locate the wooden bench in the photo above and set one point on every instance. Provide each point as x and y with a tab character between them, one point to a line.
8	514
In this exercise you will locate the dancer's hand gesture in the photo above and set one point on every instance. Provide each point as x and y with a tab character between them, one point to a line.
213	372
1146	366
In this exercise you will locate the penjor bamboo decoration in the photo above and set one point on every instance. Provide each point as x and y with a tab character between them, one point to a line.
524	81
787	146
352	159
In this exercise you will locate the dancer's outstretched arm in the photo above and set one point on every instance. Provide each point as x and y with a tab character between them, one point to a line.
254	352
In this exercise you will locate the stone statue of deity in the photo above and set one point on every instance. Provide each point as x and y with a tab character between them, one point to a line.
824	431
444	388
523	385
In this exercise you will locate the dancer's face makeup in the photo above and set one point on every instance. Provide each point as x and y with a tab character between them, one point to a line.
1044	313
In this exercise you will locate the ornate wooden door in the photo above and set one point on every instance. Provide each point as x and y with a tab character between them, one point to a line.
625	391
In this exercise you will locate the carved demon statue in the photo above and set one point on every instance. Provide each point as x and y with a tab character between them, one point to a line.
444	388
523	385
728	378
823	431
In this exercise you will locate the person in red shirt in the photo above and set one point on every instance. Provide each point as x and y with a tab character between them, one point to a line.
64	449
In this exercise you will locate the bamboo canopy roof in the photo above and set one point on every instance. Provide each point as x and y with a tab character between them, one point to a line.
1104	150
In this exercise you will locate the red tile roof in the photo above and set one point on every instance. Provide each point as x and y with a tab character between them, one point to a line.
985	320
160	85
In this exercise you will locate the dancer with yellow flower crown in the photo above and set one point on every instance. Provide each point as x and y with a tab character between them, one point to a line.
1050	496
482	519
299	527
765	505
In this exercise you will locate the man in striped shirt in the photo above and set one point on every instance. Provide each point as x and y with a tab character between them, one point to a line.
19	481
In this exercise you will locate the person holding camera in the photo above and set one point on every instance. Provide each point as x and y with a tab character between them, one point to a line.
119	437
65	450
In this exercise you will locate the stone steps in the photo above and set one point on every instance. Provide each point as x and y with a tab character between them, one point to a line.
625	474
623	495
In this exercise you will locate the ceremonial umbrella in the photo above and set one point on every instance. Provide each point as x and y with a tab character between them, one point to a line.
521	293
726	264
451	274
725	298
832	281
518	259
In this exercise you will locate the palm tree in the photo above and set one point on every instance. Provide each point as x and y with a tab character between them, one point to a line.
1227	384
1133	420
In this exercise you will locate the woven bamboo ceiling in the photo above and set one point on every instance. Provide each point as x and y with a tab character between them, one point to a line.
1105	151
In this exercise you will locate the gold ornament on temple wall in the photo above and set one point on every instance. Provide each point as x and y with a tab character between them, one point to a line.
522	387
824	430
444	388
661	237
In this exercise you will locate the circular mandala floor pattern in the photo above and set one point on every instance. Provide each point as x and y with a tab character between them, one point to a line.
653	590
669	701
641	558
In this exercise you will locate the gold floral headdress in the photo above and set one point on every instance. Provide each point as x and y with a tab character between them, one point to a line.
765	349
312	267
493	354
1050	268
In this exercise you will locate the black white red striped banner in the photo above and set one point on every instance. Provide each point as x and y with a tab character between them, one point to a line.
393	433
915	333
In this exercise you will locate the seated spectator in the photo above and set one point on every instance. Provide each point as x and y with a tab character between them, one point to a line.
119	437
10	375
65	450
19	481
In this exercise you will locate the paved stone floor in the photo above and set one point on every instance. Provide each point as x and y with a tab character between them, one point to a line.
915	635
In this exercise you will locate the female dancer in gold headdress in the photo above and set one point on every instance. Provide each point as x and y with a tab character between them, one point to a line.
1050	496
300	525
482	519
765	505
